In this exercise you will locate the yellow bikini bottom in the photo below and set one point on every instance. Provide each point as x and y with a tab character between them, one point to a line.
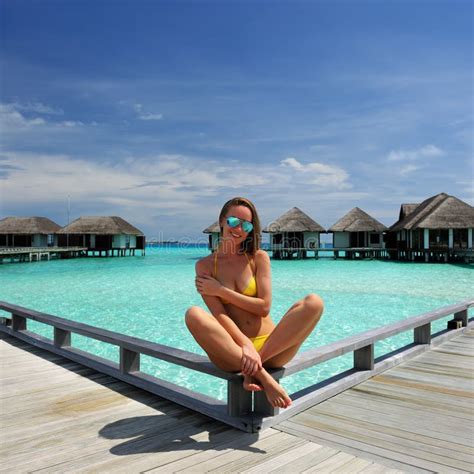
259	341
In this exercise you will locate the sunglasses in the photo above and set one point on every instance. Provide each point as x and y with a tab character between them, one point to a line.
235	222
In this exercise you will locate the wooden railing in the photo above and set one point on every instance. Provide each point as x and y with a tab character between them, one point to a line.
243	410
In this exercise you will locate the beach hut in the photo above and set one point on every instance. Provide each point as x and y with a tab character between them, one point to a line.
108	235
294	233
358	230
214	233
441	223
28	232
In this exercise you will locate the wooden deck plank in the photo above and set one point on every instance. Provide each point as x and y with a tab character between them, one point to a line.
419	413
395	440
388	457
59	417
225	445
414	393
280	443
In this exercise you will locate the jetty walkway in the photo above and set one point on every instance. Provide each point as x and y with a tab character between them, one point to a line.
59	416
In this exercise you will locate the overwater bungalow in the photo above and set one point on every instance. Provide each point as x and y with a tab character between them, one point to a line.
28	232
357	229
293	234
440	228
105	235
214	233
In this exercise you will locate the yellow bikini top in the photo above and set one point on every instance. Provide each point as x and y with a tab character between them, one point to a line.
250	290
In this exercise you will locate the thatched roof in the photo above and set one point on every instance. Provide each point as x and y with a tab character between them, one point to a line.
100	225
406	209
356	220
28	225
438	212
294	220
212	228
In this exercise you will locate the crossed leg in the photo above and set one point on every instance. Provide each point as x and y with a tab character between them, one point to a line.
227	355
280	347
289	334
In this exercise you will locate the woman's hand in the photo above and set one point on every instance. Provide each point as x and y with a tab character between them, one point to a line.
251	362
207	285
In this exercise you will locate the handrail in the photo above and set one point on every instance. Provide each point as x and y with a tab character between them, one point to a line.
312	357
240	411
168	354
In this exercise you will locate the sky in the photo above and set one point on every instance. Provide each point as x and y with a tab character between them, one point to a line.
160	111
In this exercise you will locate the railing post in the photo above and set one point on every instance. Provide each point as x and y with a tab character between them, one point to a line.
422	334
239	401
262	407
129	361
364	358
62	338
461	316
18	322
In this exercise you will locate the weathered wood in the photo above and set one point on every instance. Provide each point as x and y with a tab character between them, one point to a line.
193	400
461	316
261	406
90	431
129	360
62	338
160	351
321	354
364	358
18	323
239	401
422	334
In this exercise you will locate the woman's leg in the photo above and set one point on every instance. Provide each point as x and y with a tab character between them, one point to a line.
214	339
297	324
227	355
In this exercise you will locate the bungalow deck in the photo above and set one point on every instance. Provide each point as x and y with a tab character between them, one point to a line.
59	416
31	254
370	253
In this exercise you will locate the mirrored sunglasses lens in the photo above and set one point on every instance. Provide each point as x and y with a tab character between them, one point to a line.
233	221
247	226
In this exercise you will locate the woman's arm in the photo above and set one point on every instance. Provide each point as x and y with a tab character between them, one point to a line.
218	311
251	361
259	306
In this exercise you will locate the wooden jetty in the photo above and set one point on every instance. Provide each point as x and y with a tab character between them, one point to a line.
244	410
30	254
36	254
59	416
349	253
370	253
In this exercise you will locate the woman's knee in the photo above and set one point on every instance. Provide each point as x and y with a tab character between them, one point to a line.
193	317
313	304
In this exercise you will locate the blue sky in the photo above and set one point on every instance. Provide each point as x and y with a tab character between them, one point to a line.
159	111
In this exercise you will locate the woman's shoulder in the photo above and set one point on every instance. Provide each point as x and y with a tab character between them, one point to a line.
261	257
204	265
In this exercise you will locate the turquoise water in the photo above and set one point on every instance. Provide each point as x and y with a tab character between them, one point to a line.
147	297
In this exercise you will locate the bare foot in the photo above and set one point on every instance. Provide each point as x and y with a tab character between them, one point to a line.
251	384
275	393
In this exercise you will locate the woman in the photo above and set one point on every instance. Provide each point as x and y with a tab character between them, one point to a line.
235	283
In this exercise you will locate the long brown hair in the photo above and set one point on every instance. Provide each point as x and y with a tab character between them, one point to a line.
252	243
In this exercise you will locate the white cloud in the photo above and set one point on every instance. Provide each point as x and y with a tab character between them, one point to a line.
404	170
38	107
428	151
12	120
319	174
145	116
150	116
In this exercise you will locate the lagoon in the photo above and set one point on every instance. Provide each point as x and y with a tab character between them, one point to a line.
147	297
